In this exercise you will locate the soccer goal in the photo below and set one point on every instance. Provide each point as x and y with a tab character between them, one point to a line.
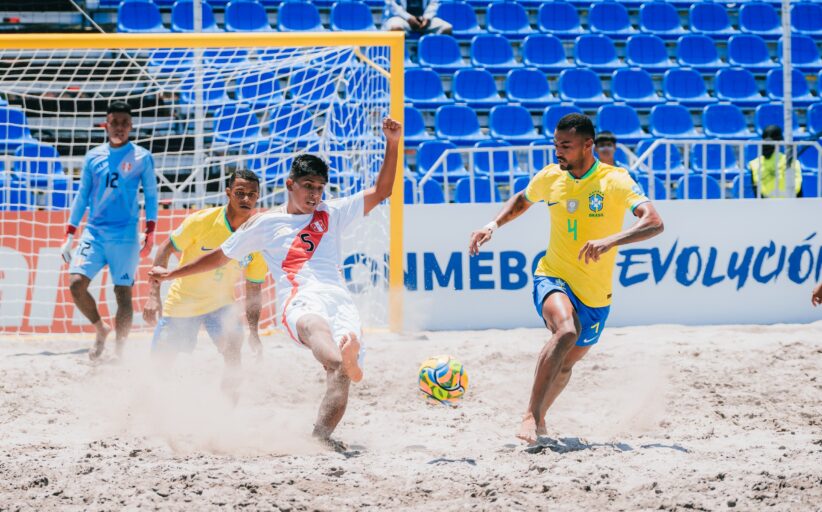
204	105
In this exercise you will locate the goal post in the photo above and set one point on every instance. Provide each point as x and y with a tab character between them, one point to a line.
204	104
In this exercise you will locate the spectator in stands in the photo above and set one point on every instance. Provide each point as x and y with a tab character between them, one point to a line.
768	171
414	16
605	147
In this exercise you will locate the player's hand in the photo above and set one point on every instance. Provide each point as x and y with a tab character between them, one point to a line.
392	129
255	345
153	310
593	249
816	297
147	244
478	238
158	274
65	249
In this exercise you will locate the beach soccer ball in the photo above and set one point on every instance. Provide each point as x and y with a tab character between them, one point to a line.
443	379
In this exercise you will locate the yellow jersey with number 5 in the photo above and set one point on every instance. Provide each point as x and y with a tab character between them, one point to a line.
195	295
589	208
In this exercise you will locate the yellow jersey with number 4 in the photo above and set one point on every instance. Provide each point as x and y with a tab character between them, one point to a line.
195	295
589	208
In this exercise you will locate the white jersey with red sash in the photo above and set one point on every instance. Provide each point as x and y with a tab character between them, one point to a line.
304	255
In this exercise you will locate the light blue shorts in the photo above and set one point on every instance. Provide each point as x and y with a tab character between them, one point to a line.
591	320
180	334
122	258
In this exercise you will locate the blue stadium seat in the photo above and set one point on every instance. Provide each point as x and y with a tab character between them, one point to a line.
476	88
366	85
260	89
462	18
293	124
346	123
809	159
415	132
707	159
15	195
170	61
698	187
313	86
660	19
351	15
623	121
760	18
544	52
710	19
246	16
750	52
529	87
541	155
738	86
611	19
771	113
267	161
520	184
492	52
552	115
440	52
687	87
14	129
298	17
512	123
806	18
582	87
815	119
699	52
659	191
236	124
634	86
458	124
559	19
505	163
225	57
724	121
804	53
672	122
182	17
431	193
665	159
745	182
509	19
38	164
647	52
800	92
423	88
485	191
810	185
597	52
409	192
428	154
139	16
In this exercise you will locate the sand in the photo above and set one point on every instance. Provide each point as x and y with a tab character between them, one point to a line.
662	418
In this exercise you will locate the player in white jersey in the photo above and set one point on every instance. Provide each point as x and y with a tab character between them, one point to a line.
301	243
112	176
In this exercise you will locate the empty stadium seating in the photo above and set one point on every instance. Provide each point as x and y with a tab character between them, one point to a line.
476	88
246	16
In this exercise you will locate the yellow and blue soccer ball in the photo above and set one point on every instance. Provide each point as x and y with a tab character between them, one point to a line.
443	379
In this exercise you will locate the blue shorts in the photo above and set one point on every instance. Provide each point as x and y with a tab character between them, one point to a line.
591	320
180	334
122	258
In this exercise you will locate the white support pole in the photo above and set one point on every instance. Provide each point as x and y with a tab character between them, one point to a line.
787	89
199	109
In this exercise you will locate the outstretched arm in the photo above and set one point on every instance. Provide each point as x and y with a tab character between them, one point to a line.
153	309
385	179
253	306
648	226
209	261
513	208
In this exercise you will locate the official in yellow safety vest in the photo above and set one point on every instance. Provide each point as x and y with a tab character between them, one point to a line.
768	171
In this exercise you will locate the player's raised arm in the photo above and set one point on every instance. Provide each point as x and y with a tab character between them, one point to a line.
648	226
513	208
208	261
385	179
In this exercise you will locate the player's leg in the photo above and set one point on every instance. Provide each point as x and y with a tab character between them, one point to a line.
573	356
124	317
87	261
172	336
561	319
123	259
224	328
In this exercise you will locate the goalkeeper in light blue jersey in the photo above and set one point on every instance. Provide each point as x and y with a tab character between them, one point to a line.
112	176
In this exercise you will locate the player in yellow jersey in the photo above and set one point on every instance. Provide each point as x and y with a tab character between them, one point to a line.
208	298
587	200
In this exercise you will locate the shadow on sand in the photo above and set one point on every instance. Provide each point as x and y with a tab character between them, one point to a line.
575	444
50	353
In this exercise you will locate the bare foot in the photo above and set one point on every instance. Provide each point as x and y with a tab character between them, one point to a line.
528	429
96	351
118	347
350	349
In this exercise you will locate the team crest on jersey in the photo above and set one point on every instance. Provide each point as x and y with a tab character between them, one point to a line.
246	261
126	166
318	226
572	205
595	203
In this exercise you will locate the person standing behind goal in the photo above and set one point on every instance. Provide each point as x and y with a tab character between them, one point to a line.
111	178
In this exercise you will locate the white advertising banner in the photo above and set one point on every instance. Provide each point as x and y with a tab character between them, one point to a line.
718	262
